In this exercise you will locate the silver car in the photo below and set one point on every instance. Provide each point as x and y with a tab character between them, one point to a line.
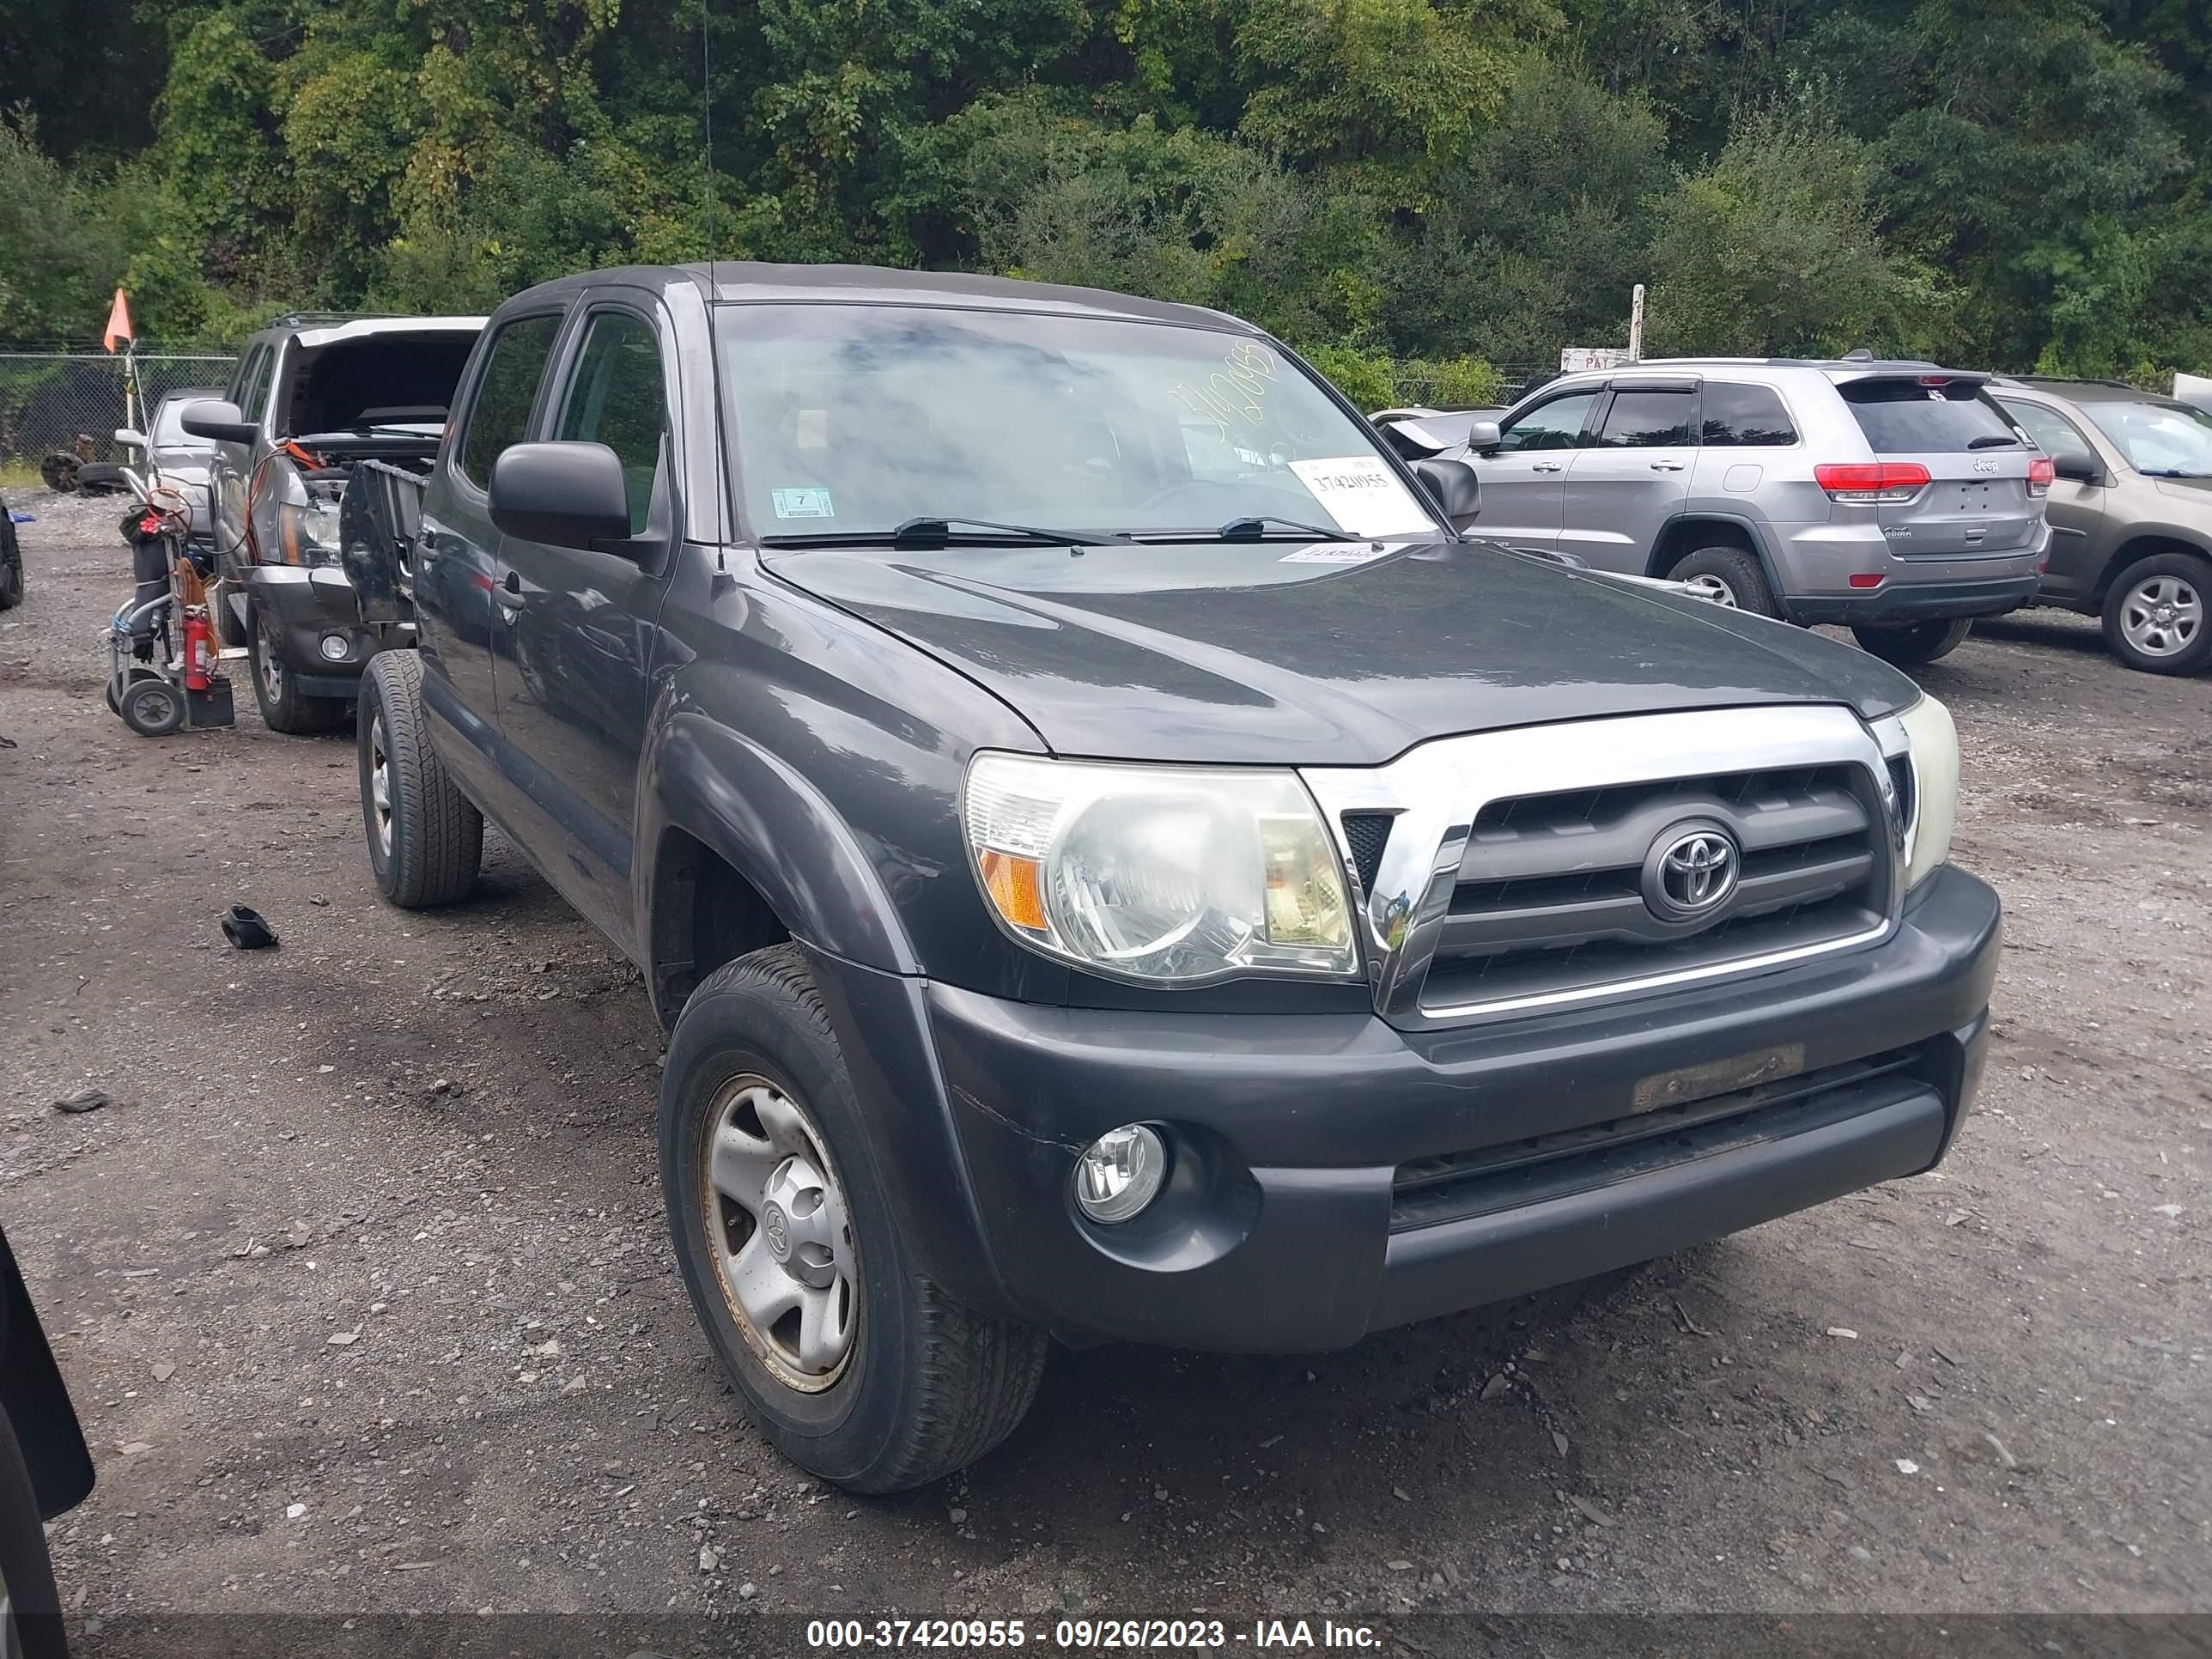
1896	498
175	458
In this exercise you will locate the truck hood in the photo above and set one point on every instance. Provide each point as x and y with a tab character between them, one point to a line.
1272	652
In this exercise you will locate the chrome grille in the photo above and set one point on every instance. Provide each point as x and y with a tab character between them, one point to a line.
1525	869
1550	895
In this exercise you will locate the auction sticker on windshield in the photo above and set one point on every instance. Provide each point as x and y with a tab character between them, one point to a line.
1361	494
809	503
1335	553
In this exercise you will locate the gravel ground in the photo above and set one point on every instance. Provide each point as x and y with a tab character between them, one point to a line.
363	1290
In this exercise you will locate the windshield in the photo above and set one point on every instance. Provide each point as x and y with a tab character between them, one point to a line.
2169	440
853	419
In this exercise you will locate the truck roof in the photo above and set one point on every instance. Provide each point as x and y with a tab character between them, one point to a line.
735	281
360	327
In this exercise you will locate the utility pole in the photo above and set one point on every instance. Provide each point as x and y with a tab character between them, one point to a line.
1636	324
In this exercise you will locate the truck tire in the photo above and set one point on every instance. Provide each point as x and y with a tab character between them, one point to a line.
1914	643
853	1365
1729	576
425	836
33	1605
285	707
2155	614
11	562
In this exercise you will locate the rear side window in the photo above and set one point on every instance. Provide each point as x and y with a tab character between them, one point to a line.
1744	417
500	414
1646	420
1555	425
254	396
616	398
1903	417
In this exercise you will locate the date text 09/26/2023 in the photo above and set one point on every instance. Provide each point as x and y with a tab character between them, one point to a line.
1088	1634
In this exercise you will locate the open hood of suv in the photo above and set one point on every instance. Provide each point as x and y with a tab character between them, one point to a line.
1257	652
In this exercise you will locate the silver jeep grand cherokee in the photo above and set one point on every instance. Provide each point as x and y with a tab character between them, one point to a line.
1894	497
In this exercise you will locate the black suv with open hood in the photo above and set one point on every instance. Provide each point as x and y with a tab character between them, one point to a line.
1117	860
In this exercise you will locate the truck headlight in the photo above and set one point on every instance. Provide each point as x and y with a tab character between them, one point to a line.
1934	754
307	531
1166	875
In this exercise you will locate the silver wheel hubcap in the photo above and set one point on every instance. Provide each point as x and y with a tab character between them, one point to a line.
379	786
777	1223
2162	615
272	672
1714	589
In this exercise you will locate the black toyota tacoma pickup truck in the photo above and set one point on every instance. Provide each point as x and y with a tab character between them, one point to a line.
1117	862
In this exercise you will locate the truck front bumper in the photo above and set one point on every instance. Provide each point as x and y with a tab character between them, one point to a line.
1333	1176
307	606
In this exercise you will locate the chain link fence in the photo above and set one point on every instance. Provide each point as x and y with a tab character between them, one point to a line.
74	401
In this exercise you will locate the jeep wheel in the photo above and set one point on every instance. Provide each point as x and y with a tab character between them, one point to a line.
1914	643
425	837
285	707
1729	576
2154	614
851	1363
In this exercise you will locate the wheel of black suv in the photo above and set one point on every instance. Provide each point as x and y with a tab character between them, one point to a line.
30	1606
2154	614
11	562
285	707
425	837
852	1364
1729	576
1917	643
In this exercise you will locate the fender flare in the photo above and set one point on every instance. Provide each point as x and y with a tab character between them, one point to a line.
1752	533
2178	540
760	815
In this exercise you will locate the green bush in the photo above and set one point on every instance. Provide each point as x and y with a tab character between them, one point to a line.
1371	380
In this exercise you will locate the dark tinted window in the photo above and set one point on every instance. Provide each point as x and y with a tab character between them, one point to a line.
254	396
1903	417
1646	420
1744	417
500	415
615	399
1555	425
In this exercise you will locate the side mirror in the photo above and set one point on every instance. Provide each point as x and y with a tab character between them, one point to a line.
1482	437
2079	466
129	437
220	420
1454	487
565	494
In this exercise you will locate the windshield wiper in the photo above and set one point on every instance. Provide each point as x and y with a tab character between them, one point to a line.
1254	528
1992	441
925	531
2170	472
931	532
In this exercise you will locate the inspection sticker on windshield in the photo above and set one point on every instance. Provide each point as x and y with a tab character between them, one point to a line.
1335	553
1364	496
812	502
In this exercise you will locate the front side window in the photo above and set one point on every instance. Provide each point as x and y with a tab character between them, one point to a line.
1646	420
851	419
616	398
2161	440
1555	425
2053	433
506	392
254	400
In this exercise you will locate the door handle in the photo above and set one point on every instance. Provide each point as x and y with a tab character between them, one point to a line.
508	595
1666	466
1546	466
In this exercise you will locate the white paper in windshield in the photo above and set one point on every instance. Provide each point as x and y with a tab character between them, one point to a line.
1363	495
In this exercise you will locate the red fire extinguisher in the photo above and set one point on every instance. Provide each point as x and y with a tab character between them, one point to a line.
199	651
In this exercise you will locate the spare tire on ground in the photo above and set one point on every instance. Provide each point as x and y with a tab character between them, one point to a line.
59	469
102	478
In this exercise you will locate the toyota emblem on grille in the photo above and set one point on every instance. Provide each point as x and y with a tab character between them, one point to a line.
1690	871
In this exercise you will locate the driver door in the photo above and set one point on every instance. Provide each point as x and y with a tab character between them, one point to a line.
1524	478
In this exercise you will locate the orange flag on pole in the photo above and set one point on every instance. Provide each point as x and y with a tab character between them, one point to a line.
118	323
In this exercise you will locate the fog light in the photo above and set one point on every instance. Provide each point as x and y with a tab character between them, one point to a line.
1120	1172
335	647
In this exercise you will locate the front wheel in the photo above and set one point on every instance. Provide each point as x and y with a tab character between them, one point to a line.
1728	576
1914	643
285	707
2154	614
30	1606
425	836
853	1365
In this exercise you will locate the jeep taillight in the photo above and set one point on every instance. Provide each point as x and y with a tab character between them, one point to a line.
1871	481
2040	471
